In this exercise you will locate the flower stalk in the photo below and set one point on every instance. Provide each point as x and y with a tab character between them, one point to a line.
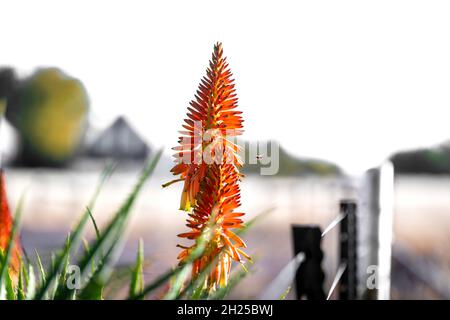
208	164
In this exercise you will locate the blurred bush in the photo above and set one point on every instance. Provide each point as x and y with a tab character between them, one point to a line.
432	160
49	111
290	165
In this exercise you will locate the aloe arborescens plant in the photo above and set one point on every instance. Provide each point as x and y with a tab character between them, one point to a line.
208	163
6	226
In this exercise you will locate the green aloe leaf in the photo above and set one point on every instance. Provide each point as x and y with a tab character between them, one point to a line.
94	223
10	292
21	283
137	276
43	275
110	237
30	283
72	243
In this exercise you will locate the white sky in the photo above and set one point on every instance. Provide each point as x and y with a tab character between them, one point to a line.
329	79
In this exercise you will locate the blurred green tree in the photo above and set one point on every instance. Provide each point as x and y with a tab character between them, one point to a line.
49	110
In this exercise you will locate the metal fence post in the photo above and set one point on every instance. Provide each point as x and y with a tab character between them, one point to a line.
309	276
375	236
348	250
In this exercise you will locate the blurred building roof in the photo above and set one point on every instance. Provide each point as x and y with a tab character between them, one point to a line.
119	141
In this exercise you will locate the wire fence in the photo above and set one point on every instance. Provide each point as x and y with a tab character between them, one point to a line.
364	247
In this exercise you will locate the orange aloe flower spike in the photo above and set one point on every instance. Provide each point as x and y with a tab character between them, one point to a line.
211	188
6	223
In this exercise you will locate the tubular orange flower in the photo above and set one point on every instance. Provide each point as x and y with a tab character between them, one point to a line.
6	224
208	163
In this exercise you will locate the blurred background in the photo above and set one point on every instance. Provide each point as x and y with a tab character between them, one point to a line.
341	87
